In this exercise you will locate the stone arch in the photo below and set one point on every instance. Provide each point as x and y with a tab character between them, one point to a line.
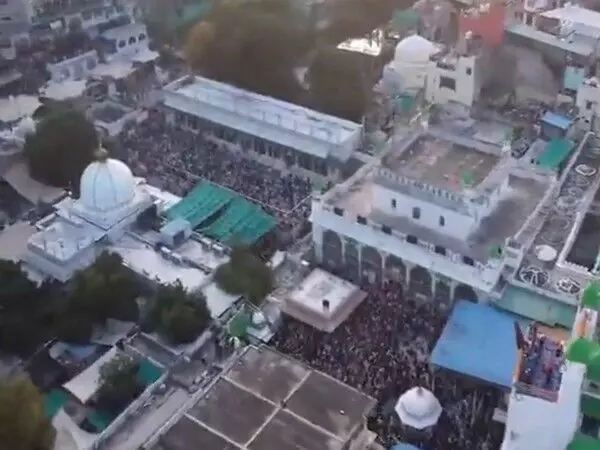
352	261
332	250
465	292
395	269
371	265
420	282
443	292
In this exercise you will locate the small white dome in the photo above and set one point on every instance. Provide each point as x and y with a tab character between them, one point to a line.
106	185
258	318
419	402
415	49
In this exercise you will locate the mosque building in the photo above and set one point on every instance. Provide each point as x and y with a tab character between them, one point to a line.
116	212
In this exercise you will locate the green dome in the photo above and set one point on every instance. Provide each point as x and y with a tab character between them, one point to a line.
581	350
591	296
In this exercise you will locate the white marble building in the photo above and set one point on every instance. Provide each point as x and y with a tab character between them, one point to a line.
105	217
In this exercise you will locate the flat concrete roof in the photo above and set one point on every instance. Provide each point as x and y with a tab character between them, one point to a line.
304	300
441	162
268	374
267	401
564	229
13	241
187	433
504	221
239	415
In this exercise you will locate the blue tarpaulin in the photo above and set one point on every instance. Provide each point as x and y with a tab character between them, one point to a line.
404	447
557	120
478	341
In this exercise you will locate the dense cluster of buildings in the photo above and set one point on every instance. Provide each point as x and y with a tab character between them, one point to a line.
459	200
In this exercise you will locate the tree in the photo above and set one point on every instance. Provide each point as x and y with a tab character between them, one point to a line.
61	148
20	332
23	421
200	38
247	275
106	290
120	383
254	45
74	327
339	83
177	315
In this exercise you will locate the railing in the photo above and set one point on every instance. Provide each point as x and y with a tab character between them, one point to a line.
534	391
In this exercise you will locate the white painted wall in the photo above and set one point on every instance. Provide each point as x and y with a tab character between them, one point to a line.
432	216
467	75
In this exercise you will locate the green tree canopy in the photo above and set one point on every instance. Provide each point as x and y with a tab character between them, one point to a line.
254	45
105	290
23	421
61	148
177	315
339	82
22	315
120	383
247	275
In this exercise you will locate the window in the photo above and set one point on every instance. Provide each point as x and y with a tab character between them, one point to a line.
448	83
469	71
362	220
529	20
416	213
386	229
394	203
440	250
142	37
442	221
121	44
588	105
132	40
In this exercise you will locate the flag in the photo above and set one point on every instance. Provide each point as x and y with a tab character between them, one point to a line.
520	339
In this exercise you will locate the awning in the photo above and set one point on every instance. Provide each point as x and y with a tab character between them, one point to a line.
85	385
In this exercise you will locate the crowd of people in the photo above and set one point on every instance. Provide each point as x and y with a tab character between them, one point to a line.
176	159
383	350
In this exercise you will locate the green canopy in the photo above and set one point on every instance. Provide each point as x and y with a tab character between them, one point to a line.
468	179
496	252
584	442
238	326
591	296
590	406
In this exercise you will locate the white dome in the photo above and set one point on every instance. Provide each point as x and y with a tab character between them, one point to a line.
106	185
419	403
415	49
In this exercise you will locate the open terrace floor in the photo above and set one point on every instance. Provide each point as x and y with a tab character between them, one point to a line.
267	401
441	162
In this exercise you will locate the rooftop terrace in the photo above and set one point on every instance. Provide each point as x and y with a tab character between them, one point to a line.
441	162
258	115
560	232
267	401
